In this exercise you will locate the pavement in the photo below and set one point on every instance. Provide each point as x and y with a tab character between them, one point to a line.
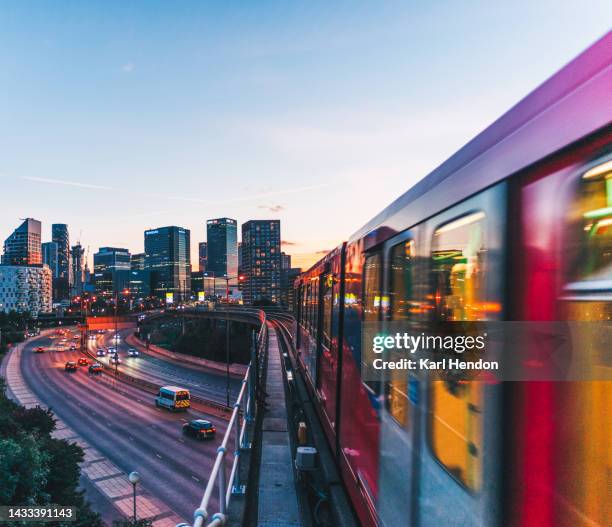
277	502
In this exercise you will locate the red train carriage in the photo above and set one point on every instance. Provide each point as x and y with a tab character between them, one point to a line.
517	225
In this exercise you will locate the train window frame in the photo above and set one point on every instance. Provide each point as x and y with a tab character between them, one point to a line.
455	219
575	288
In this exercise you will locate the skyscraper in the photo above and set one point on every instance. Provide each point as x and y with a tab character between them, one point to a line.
203	256
111	270
168	257
61	283
49	257
23	247
222	239
285	267
261	260
78	273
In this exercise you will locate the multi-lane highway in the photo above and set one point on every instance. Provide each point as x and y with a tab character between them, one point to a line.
211	386
122	422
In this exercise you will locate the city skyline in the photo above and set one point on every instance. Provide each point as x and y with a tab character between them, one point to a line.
146	119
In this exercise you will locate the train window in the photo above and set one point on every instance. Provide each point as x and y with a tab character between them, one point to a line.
401	308
328	281
458	268
593	209
400	286
371	284
315	307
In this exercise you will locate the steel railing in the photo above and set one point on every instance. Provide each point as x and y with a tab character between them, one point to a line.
245	405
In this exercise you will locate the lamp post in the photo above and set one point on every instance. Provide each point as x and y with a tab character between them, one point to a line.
134	478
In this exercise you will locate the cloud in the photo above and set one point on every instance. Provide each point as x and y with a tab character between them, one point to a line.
323	251
88	186
287	243
128	67
272	208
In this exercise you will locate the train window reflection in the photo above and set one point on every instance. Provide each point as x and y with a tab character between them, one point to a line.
593	260
458	268
327	310
372	293
402	307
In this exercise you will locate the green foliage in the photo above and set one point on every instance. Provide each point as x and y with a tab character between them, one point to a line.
35	468
12	328
23	471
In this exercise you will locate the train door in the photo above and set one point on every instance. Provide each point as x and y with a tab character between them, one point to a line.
399	413
460	433
564	457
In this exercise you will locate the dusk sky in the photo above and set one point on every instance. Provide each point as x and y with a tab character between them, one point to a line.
116	117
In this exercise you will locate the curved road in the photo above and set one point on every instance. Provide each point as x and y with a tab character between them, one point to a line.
150	368
122	422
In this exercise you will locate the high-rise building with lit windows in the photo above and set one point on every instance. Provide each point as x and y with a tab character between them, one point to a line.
61	283
111	270
23	246
203	256
222	247
168	258
261	261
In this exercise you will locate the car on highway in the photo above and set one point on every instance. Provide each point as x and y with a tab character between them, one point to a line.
100	352
131	352
73	347
114	359
76	337
39	349
173	398
82	361
112	350
95	368
200	429
71	366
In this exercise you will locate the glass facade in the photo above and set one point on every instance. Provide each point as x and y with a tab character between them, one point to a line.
168	258
203	256
261	261
61	283
23	247
222	247
111	269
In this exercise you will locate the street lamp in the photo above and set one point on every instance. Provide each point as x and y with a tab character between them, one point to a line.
134	478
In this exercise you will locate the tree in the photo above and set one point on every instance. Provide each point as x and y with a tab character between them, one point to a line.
23	472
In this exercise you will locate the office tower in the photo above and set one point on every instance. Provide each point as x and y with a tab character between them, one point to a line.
25	288
168	257
61	283
49	257
77	254
138	262
203	256
293	274
222	239
23	247
261	261
285	267
111	270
